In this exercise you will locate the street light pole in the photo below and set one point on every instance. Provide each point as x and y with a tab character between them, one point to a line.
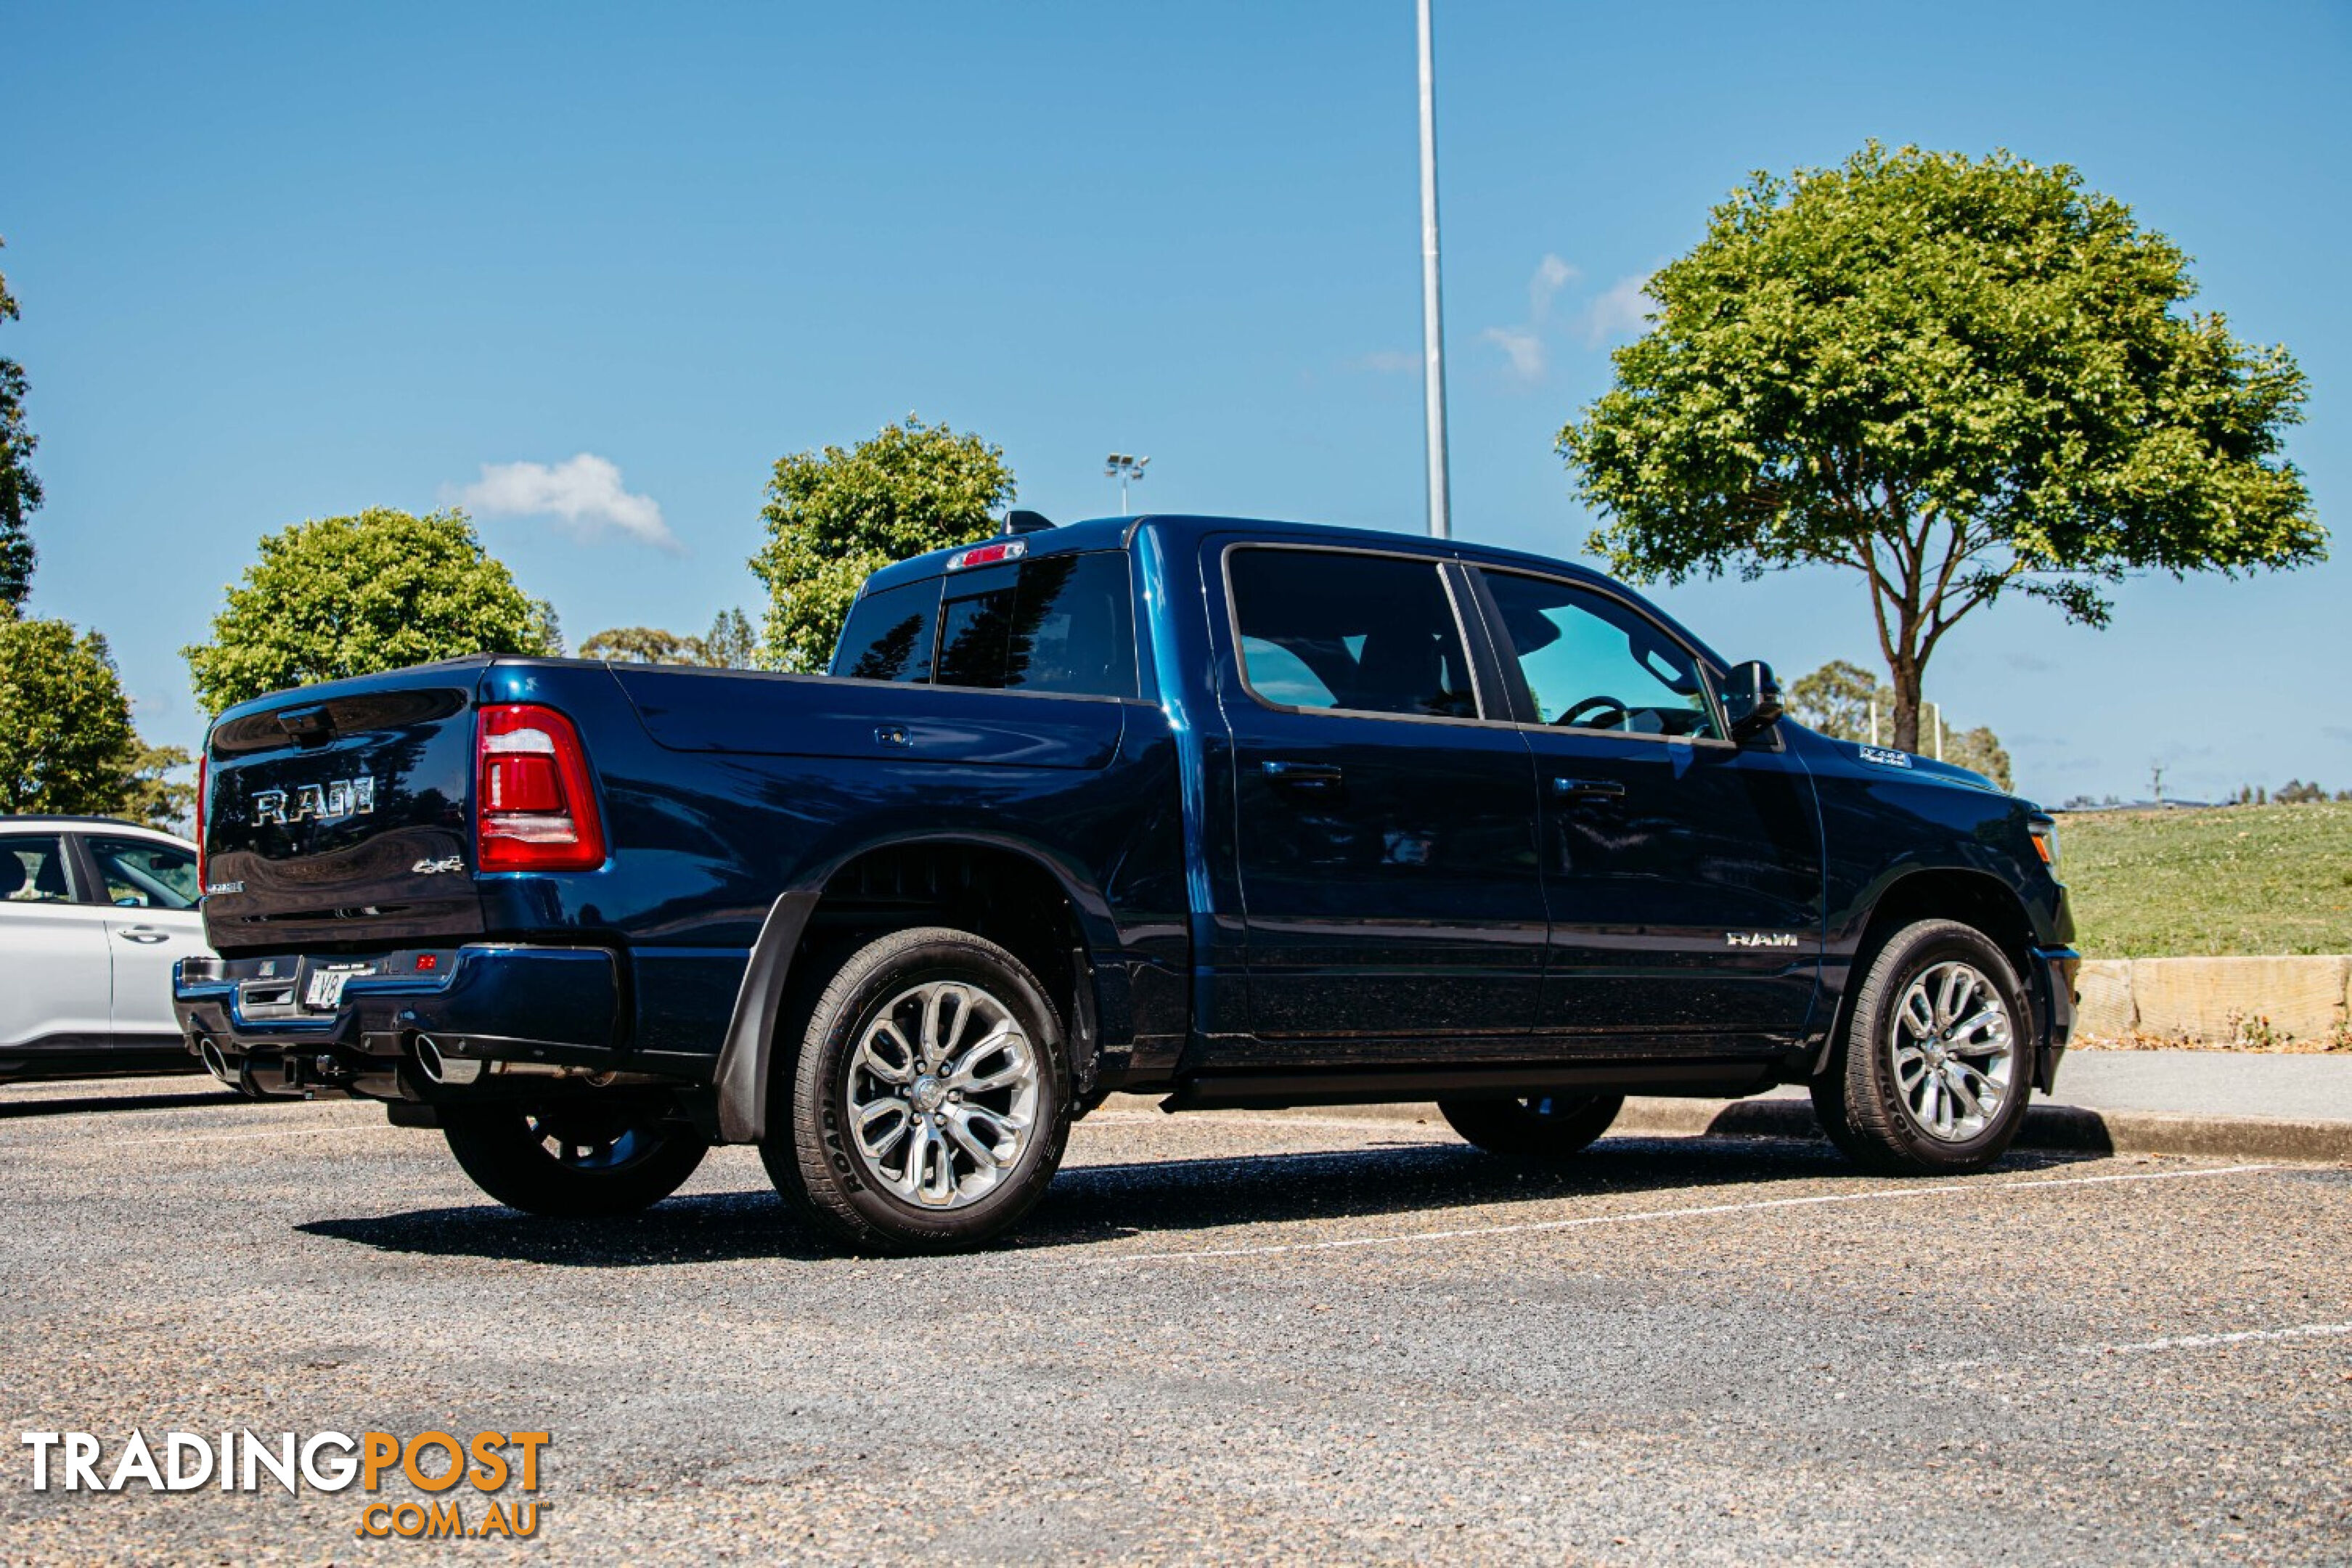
1125	468
1432	329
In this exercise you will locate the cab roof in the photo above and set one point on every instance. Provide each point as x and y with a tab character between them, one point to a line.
1183	530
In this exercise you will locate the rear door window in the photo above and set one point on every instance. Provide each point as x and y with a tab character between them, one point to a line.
33	870
888	635
1062	624
1363	634
140	874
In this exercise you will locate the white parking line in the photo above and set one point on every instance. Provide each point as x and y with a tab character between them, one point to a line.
1948	1189
2210	1341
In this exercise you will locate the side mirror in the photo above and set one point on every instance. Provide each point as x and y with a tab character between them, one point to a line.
1751	700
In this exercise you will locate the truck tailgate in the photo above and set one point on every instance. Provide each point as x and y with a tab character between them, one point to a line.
341	814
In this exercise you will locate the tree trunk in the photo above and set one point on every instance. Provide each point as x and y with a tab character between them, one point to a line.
1902	627
1908	678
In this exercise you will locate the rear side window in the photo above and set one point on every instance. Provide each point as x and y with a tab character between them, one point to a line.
1061	624
140	874
889	636
32	870
1363	634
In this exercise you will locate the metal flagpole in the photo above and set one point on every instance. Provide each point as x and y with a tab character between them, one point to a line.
1440	523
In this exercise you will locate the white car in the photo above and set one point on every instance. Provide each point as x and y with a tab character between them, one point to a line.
93	913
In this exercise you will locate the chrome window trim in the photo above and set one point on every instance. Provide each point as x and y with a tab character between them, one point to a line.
1705	677
1436	565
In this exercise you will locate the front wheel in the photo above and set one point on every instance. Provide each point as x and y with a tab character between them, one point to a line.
573	1157
1930	1074
928	1104
1535	1127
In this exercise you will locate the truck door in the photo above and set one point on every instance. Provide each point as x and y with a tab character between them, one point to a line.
1385	823
1684	872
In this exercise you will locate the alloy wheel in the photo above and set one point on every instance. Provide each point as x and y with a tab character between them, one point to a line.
943	1094
1953	1051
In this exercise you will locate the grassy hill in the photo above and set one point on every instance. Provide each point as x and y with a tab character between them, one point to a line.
2248	879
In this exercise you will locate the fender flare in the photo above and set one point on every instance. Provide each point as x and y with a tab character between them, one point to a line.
745	1055
2053	1010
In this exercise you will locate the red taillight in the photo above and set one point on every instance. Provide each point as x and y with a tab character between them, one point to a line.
204	778
534	804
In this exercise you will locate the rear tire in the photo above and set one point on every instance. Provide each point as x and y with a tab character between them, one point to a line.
925	1105
1932	1068
575	1157
1537	1127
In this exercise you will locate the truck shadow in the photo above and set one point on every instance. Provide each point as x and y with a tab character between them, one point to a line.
210	1095
1091	1206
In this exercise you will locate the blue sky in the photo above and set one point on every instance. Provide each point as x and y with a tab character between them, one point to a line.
288	262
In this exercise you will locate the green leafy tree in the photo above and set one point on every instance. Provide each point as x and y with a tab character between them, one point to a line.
66	741
1981	751
340	596
1835	700
639	645
152	795
729	643
20	492
835	516
1959	378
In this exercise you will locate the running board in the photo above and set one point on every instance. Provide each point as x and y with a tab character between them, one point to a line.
1277	1090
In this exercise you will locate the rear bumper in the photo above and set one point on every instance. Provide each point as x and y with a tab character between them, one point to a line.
493	1010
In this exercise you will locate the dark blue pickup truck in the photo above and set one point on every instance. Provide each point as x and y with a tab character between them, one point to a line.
1245	814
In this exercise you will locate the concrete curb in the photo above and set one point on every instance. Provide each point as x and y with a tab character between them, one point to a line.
2069	1127
2218	1000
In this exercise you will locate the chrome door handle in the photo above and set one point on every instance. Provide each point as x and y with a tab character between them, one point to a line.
1315	776
1587	789
144	935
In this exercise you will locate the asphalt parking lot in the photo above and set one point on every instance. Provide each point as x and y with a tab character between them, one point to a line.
1223	1337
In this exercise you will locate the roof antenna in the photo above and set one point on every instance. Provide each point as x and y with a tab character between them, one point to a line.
1025	522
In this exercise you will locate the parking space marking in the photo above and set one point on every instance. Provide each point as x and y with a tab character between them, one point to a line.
2212	1341
2172	1342
1698	1211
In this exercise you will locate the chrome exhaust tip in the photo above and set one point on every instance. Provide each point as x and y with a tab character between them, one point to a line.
215	1063
439	1068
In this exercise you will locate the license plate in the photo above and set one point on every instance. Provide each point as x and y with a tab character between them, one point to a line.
326	987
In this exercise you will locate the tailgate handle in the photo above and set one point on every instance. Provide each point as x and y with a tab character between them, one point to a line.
311	724
1588	789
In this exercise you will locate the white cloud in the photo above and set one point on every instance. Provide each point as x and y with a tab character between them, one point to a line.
1551	275
1524	345
584	493
1524	349
1622	312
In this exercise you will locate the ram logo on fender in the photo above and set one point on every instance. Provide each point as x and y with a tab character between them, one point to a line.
1759	939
